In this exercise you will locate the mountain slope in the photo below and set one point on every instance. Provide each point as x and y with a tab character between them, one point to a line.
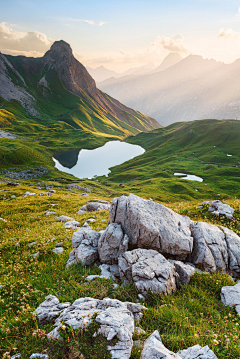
192	89
100	73
58	89
170	60
207	148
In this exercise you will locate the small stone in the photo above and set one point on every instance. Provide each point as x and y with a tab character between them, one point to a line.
141	297
139	330
48	213
71	224
63	218
32	244
58	250
36	255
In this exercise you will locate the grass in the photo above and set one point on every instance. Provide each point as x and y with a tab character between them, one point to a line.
192	315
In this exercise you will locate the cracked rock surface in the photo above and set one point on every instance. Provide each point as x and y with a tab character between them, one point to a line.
116	319
149	270
197	352
230	295
154	349
151	225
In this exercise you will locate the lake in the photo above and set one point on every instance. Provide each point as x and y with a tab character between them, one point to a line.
189	177
89	163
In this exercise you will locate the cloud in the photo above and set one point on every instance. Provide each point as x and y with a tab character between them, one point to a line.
229	34
172	44
238	13
89	22
26	43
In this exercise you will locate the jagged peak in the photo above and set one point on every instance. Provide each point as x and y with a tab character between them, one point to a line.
61	45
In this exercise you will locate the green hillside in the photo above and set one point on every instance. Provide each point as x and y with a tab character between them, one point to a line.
199	148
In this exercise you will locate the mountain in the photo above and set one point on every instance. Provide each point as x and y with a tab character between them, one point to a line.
171	59
101	73
141	70
57	90
193	89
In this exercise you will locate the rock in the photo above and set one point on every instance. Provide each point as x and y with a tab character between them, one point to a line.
76	186
197	352
2	219
38	355
154	348
217	208
15	356
100	201
149	270
185	272
48	213
84	195
139	330
116	319
52	191
112	244
230	295
209	247
233	245
32	244
10	183
36	255
95	206
50	309
58	250
71	224
71	259
64	218
85	246
29	194
141	297
151	225
80	211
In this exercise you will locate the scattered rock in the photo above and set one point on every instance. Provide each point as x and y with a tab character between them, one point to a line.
27	173
116	319
230	295
197	352
64	218
71	224
149	270
15	356
95	206
84	195
76	186
36	255
151	225
10	183
233	245
38	355
29	194
154	348
2	219
139	330
48	213
112	244
32	244
217	208
58	250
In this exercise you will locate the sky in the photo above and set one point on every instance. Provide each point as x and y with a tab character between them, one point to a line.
121	34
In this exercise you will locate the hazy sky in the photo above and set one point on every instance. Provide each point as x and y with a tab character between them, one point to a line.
122	33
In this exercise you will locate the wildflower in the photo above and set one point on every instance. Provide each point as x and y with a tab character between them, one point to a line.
63	327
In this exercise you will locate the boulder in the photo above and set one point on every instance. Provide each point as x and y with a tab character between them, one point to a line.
27	194
116	319
230	295
85	246
154	349
76	186
95	206
48	213
197	352
153	226
149	270
63	218
112	244
71	224
184	271
209	248
58	250
233	245
217	208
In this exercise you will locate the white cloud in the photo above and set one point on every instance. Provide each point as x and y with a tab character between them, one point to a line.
238	13
229	34
171	44
89	22
31	43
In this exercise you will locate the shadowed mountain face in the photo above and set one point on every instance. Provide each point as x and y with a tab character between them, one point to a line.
192	89
57	86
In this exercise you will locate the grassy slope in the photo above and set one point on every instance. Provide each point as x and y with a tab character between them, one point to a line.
193	315
198	148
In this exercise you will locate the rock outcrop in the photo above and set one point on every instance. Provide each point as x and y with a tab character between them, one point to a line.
153	226
95	206
217	208
112	244
154	348
149	270
231	296
197	352
116	319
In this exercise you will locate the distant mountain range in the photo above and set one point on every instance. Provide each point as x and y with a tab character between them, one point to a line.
190	89
57	88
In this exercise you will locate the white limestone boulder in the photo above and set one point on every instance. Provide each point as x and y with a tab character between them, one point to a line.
233	245
209	248
151	225
149	270
217	208
112	244
230	295
197	352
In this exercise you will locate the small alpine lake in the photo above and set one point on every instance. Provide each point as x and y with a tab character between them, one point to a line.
188	177
90	163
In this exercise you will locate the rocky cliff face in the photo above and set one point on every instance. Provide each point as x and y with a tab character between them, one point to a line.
57	75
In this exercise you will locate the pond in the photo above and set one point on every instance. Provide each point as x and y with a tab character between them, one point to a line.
189	177
89	163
